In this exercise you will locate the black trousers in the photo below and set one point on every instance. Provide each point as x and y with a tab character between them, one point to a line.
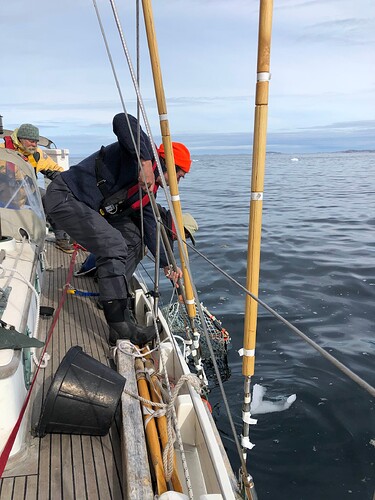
60	234
116	243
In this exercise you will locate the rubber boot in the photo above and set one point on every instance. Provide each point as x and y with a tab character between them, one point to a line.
122	325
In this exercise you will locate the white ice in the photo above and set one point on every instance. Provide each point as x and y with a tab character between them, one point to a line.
259	406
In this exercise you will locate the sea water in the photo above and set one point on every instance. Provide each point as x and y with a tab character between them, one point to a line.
317	270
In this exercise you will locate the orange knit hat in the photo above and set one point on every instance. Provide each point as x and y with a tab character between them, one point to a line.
181	155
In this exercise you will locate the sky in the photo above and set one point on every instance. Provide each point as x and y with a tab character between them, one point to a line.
56	73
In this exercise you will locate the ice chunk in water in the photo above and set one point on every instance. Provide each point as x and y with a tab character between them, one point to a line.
259	406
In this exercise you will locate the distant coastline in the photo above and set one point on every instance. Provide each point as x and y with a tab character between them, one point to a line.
325	152
78	157
358	151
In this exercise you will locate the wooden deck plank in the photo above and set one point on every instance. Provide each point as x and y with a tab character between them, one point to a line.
44	465
31	488
6	488
55	464
101	472
113	453
78	468
19	487
67	483
112	459
89	470
25	464
69	466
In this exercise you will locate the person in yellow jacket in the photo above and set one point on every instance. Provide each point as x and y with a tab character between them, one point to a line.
25	140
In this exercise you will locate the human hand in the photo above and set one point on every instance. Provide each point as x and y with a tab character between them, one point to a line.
173	275
50	174
146	176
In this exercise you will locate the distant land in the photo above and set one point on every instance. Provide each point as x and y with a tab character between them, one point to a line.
358	151
322	152
78	157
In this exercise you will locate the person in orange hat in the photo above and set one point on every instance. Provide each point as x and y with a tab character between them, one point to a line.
98	203
182	159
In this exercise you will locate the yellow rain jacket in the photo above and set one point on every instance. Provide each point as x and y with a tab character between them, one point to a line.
44	162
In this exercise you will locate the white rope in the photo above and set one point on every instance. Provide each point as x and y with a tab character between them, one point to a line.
169	449
168	410
135	353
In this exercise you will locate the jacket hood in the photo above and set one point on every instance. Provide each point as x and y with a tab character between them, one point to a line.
17	143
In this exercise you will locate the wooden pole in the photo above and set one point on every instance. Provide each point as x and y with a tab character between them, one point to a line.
150	430
161	421
169	159
256	205
257	184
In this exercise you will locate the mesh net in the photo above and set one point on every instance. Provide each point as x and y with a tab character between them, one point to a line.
178	322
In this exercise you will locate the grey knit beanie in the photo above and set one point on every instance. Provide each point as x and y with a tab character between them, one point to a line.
28	131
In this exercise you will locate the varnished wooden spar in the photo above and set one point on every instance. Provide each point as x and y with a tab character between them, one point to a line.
169	159
151	430
255	218
257	182
161	421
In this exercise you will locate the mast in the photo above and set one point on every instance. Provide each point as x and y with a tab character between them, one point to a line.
169	159
256	206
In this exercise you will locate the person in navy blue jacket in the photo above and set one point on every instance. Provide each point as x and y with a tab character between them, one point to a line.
97	203
88	266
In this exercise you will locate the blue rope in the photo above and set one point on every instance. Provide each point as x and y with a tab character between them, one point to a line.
81	293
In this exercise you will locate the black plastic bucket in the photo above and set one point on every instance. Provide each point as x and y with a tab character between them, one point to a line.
82	398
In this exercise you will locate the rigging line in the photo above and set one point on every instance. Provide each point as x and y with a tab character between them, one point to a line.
155	314
174	289
138	93
218	375
138	66
154	311
140	105
109	54
214	362
164	184
118	83
349	373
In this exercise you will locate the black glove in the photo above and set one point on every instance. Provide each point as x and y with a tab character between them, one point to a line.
50	174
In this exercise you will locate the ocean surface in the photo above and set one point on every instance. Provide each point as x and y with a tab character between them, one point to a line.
317	270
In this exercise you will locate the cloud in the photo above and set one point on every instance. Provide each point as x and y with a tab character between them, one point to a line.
321	65
330	138
352	31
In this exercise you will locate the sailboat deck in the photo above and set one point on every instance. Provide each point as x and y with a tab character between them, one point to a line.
62	466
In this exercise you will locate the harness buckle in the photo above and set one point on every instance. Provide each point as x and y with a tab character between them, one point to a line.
111	209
